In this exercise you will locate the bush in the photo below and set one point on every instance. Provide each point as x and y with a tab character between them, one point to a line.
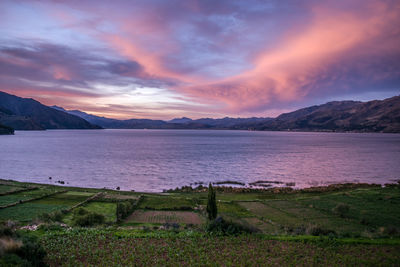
316	230
16	250
341	209
32	251
124	209
83	217
221	227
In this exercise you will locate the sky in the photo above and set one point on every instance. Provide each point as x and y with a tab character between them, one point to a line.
163	59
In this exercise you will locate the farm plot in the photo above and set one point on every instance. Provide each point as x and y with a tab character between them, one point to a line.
108	209
377	208
13	198
269	213
186	217
94	248
119	197
291	215
4	188
27	211
167	203
233	209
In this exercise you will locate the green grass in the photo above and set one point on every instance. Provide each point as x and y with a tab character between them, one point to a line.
27	211
108	209
167	202
8	188
129	248
232	209
373	207
13	198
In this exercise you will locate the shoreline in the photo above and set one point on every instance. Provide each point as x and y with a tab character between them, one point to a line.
202	187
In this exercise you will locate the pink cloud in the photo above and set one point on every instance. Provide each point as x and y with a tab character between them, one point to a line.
291	70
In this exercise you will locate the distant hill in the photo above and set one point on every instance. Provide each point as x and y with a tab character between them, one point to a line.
178	123
28	114
372	116
181	120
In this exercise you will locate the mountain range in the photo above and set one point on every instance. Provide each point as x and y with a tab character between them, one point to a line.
29	114
178	123
341	116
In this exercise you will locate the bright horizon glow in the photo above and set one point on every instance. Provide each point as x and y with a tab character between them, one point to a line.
186	58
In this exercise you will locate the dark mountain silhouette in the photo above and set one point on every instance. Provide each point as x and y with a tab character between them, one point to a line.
178	123
372	116
181	120
28	114
341	116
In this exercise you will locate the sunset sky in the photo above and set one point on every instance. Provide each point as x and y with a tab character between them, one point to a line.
164	59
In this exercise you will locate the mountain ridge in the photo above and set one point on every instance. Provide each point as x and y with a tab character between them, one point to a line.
334	116
29	114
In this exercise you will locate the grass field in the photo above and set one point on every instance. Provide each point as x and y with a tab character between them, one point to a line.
344	226
30	210
8	188
168	202
100	248
108	209
13	198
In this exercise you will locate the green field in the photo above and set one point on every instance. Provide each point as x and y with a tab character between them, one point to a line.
108	209
8	188
347	225
126	248
168	202
13	198
30	210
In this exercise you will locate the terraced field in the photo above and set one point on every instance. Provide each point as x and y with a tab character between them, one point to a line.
4	188
26	195
346	226
30	210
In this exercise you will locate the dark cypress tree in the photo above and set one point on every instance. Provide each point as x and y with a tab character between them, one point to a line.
211	203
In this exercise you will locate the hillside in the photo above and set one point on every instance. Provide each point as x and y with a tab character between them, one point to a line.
28	114
372	116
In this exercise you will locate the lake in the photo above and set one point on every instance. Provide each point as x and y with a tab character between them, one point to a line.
153	160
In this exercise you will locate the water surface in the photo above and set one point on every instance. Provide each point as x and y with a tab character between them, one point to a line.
153	160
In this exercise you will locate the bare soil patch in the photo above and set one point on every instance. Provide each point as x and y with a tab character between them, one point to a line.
156	216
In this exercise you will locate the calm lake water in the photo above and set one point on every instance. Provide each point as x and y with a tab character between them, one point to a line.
153	160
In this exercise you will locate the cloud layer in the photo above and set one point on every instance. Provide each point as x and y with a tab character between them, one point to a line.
198	58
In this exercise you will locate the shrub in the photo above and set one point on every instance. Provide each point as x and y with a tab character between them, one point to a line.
316	230
341	209
221	227
32	251
16	250
83	217
124	209
211	203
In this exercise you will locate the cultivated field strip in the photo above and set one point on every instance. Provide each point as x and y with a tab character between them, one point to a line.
186	217
30	210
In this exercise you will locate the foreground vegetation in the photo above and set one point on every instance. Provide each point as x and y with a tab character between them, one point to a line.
351	224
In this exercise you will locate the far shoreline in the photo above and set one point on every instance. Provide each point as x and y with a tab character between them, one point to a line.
223	188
